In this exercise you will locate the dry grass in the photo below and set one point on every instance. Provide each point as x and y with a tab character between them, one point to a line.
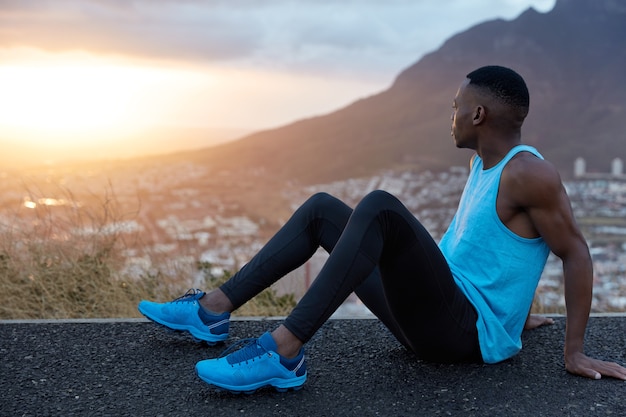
538	307
66	261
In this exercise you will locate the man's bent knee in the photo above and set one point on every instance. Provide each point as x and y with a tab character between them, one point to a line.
379	199
324	200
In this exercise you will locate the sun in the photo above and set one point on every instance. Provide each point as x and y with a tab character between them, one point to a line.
62	97
71	96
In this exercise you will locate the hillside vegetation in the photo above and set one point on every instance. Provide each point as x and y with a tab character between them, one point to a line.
61	263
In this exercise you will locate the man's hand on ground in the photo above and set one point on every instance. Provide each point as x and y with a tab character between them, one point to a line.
533	321
580	364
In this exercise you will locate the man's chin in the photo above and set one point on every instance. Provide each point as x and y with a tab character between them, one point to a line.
460	144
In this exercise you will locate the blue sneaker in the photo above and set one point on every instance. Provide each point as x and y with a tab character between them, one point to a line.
254	366
186	314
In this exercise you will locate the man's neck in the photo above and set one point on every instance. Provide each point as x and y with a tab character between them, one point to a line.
492	152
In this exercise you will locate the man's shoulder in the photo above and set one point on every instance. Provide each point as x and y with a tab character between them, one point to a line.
527	163
528	170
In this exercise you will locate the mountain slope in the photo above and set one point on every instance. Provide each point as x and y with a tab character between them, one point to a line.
572	57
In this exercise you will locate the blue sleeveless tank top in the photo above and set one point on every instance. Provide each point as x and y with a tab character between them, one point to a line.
497	270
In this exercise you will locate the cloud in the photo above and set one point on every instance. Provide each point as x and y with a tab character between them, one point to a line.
159	29
315	36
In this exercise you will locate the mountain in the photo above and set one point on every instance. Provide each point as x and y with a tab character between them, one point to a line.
573	59
30	147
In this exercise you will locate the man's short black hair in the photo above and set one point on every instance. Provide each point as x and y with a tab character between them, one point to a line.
502	83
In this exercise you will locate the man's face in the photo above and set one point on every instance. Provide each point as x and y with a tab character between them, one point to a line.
462	117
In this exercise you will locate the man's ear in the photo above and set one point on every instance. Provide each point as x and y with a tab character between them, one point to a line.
479	115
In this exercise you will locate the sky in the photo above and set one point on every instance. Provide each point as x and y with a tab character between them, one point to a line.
73	67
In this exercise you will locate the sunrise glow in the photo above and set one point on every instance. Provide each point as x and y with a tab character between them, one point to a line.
74	103
81	79
71	93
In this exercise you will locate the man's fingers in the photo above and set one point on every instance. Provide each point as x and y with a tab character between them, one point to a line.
586	372
533	321
601	368
614	370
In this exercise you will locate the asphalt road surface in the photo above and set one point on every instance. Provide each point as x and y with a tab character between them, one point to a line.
356	368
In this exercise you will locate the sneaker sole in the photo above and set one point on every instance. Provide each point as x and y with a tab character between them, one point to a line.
279	385
211	340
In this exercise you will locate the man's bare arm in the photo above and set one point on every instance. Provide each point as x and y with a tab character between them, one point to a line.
540	193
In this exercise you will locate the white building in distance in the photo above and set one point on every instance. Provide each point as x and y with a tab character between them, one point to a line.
617	170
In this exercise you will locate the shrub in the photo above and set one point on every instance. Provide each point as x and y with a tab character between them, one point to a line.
266	303
65	260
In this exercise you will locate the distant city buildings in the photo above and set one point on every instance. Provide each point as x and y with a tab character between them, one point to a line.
175	218
616	172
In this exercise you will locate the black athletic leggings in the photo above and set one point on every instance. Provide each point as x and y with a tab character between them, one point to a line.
381	252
